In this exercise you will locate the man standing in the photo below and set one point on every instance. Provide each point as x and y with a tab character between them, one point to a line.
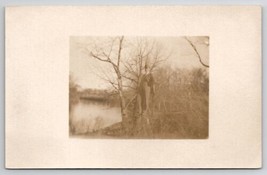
146	91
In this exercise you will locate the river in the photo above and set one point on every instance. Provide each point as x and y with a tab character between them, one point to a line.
87	116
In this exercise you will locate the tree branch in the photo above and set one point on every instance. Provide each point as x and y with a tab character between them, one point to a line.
119	52
127	105
195	49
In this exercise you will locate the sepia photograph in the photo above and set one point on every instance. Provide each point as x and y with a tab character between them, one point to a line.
139	87
110	87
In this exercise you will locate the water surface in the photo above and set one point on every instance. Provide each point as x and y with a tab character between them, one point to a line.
87	116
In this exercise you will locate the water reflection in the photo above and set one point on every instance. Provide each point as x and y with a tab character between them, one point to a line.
87	116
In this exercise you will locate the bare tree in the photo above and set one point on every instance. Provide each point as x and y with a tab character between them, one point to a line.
114	60
146	52
127	69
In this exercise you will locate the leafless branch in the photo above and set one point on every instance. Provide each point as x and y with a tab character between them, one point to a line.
195	49
127	105
119	52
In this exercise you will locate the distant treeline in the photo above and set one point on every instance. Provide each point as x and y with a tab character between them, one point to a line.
92	95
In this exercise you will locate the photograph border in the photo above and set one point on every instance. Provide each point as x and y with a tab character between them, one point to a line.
188	171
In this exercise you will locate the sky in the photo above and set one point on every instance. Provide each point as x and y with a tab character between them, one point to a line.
85	70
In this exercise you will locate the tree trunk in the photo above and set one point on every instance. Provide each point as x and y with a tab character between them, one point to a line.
123	107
